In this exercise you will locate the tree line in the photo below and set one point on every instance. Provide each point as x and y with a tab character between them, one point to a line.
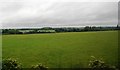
57	30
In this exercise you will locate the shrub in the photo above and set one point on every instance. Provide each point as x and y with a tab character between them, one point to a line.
97	63
39	67
10	64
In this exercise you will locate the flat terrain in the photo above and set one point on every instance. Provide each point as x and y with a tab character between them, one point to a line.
61	49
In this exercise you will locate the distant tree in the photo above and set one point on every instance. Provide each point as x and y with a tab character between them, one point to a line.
46	28
87	28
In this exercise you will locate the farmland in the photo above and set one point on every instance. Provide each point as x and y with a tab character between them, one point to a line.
64	50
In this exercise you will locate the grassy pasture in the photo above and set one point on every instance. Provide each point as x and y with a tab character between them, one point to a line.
61	49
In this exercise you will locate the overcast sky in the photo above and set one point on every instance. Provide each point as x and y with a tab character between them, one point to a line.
33	13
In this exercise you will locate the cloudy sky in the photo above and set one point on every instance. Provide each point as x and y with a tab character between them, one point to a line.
36	13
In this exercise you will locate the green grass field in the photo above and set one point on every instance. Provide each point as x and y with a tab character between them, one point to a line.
63	50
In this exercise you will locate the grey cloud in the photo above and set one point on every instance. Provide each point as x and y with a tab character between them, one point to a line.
63	14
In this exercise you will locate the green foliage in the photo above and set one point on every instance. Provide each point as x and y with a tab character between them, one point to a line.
39	67
97	63
10	64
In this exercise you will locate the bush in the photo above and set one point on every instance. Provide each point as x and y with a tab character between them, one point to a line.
99	64
39	67
10	64
96	63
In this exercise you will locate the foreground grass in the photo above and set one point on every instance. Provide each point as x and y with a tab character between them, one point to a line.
61	49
